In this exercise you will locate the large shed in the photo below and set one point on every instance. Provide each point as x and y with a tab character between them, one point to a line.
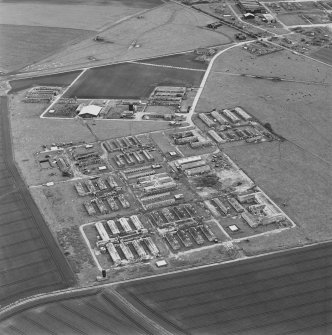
90	111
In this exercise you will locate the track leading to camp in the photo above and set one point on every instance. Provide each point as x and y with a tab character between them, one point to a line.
30	260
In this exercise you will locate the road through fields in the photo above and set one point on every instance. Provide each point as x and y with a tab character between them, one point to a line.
30	260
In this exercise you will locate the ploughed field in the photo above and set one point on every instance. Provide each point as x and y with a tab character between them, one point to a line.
324	55
286	293
30	260
130	80
89	314
279	294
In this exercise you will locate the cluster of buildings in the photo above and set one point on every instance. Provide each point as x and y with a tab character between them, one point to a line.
191	138
167	96
192	166
179	228
42	94
125	240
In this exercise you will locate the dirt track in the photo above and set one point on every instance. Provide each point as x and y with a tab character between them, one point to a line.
30	260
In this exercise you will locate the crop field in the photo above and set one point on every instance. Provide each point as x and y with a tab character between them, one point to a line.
286	293
130	80
23	45
95	312
324	55
187	60
62	79
29	257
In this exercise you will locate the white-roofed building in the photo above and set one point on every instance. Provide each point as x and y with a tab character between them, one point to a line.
90	111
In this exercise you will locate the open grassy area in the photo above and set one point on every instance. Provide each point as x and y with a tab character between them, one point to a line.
130	80
62	79
181	60
291	19
22	45
296	171
297	181
164	30
91	15
30	132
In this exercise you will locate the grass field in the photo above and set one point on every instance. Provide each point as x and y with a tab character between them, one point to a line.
23	45
298	173
291	19
298	182
180	60
62	79
30	260
130	80
274	295
324	55
165	30
74	15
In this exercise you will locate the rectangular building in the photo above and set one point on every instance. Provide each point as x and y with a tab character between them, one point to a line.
188	159
198	170
231	116
136	222
236	205
151	246
113	227
215	136
206	120
102	231
245	116
125	225
113	253
219	117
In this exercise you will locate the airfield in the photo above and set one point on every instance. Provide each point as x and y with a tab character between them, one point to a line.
149	171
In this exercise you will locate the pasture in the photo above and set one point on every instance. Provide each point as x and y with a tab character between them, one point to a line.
129	80
24	45
181	27
70	14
